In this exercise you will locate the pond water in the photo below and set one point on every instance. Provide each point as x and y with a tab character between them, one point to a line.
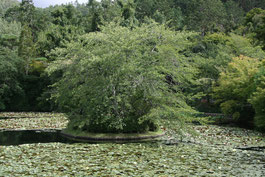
215	151
17	137
27	153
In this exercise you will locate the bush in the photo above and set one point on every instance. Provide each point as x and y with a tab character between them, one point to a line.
257	99
11	91
123	80
212	53
236	86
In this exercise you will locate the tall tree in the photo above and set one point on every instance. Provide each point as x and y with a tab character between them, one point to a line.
95	11
26	48
27	12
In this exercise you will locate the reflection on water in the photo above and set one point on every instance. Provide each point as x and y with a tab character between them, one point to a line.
16	137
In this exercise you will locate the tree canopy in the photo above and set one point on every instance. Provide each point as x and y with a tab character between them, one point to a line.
129	88
134	61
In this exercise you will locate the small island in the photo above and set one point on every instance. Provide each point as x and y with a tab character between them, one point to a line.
123	94
111	137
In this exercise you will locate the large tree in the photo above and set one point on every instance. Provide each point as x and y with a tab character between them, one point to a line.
26	48
27	12
123	80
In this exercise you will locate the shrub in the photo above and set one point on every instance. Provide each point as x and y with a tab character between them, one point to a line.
257	99
212	53
235	86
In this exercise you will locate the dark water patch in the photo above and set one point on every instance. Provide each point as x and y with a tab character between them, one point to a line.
5	118
23	117
253	148
17	137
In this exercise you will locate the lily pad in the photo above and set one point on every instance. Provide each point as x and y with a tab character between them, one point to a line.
212	152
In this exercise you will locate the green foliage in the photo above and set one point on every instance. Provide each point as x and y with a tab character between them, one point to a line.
122	80
21	78
99	13
204	15
10	71
9	33
44	31
56	36
128	12
27	12
255	22
216	15
7	28
10	65
235	15
243	46
247	5
26	48
64	15
65	25
163	12
6	4
257	99
235	86
213	52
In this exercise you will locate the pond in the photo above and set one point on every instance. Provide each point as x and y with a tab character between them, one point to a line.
17	137
215	152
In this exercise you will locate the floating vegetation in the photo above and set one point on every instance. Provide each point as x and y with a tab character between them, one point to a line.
216	151
31	120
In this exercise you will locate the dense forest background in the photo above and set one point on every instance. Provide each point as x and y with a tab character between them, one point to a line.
225	48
